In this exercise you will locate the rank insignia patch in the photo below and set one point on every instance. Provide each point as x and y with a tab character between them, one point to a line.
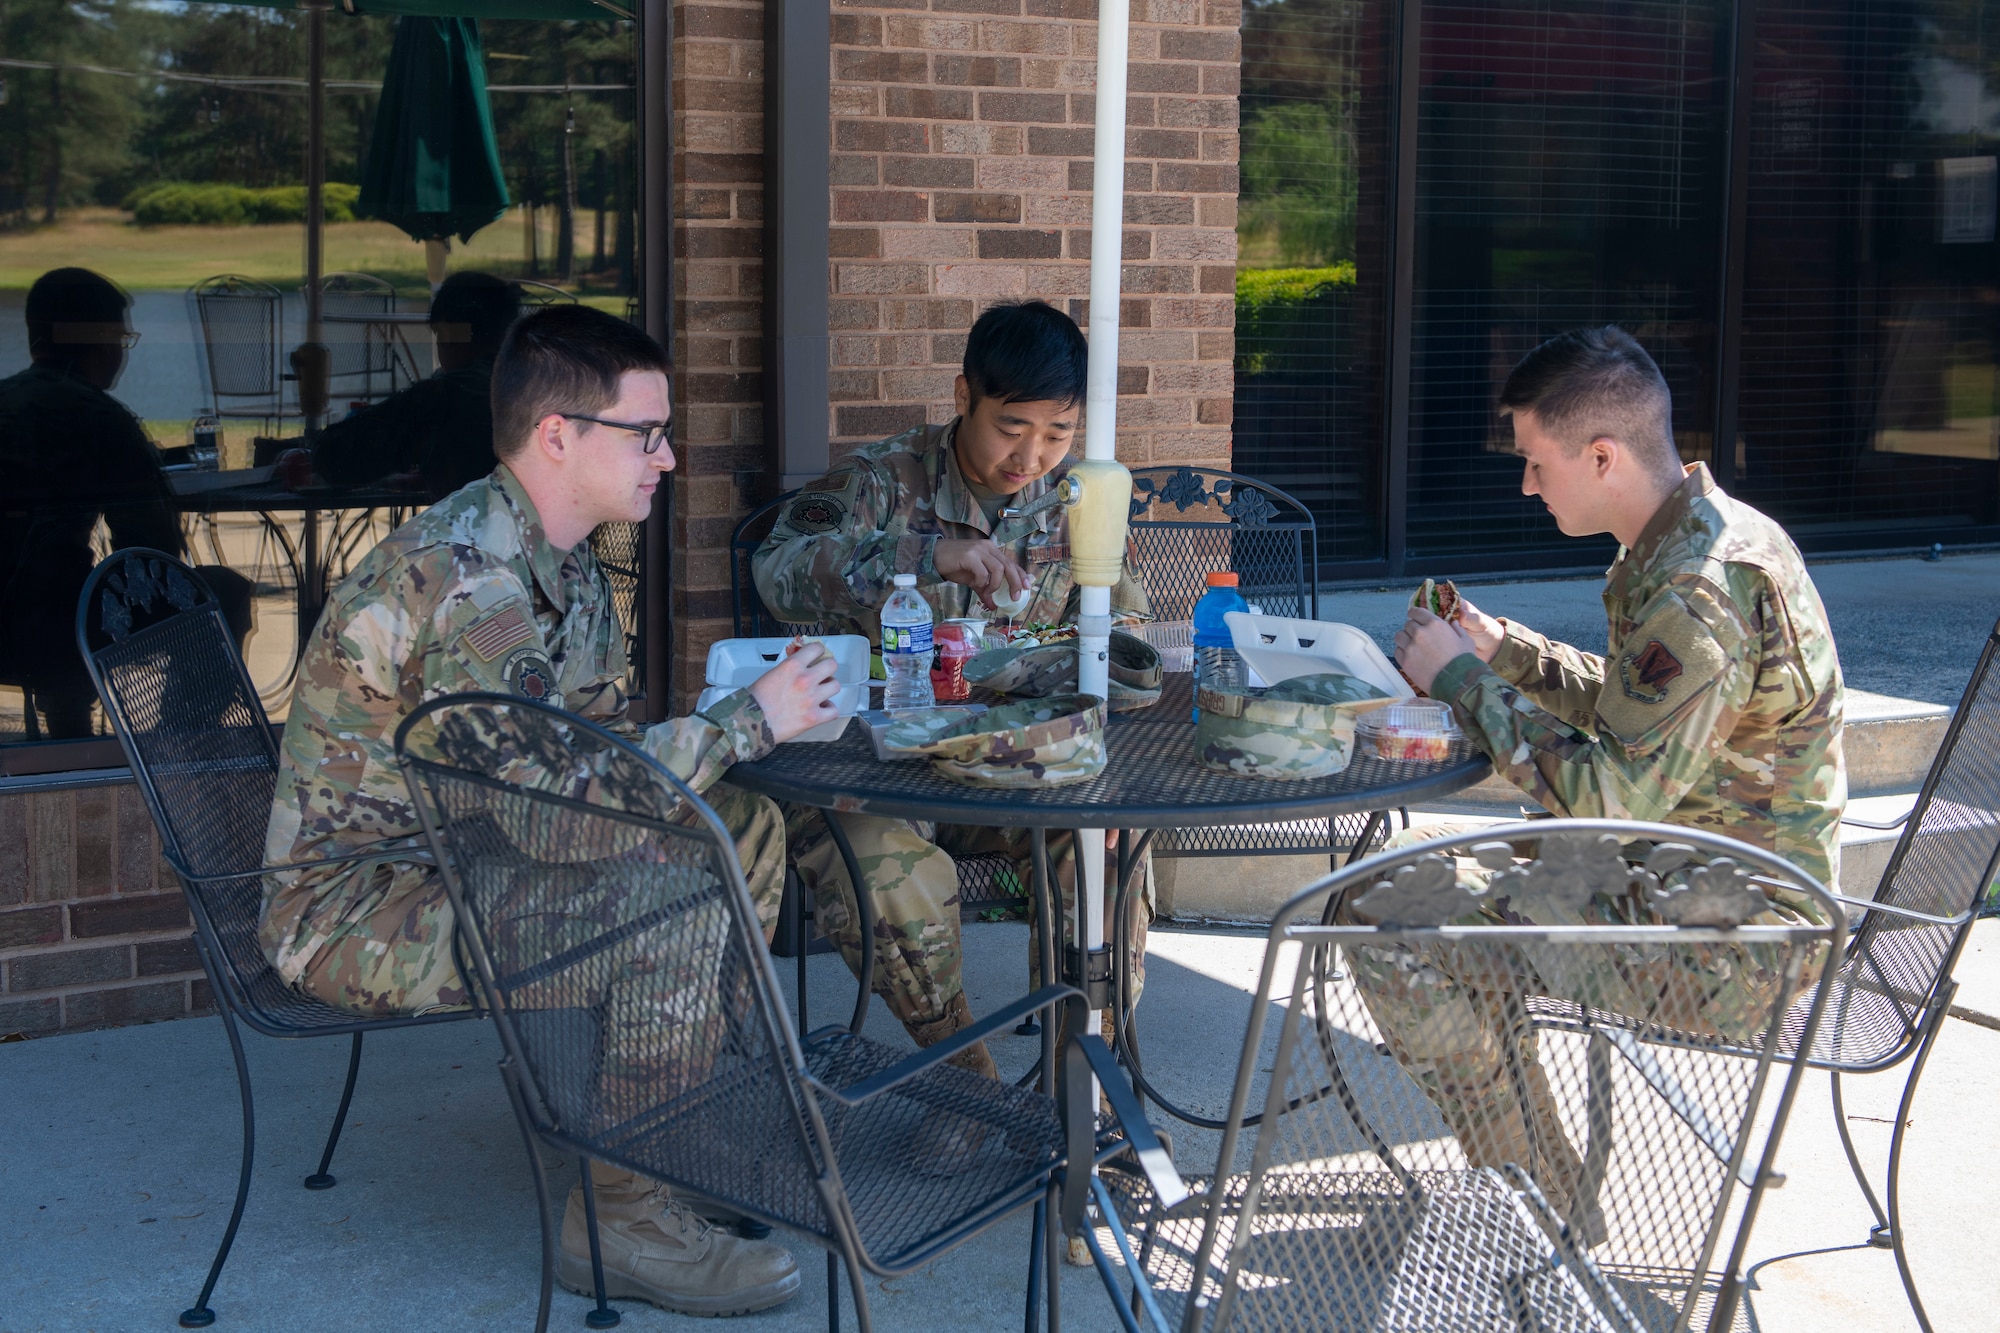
816	513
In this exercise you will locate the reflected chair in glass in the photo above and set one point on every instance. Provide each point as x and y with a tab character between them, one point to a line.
239	323
537	294
1350	1194
618	548
206	764
1893	989
364	361
642	1025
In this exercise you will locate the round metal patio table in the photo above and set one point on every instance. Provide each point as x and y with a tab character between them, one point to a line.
1151	780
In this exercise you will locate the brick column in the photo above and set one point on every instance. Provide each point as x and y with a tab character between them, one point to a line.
718	221
961	176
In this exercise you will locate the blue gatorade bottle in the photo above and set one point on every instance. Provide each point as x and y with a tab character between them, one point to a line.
1214	648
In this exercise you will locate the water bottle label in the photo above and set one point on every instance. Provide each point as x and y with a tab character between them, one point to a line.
906	638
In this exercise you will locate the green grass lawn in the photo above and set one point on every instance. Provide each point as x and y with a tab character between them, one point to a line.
175	258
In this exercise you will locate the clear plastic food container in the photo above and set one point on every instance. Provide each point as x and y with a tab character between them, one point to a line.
1421	730
1173	640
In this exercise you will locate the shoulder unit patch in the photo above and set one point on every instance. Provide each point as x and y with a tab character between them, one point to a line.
816	513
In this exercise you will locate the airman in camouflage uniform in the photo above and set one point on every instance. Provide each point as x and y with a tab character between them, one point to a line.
832	558
1718	705
468	595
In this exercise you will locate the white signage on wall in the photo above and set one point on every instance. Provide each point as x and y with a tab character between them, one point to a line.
1966	200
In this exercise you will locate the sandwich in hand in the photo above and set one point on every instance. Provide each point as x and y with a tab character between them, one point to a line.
1439	597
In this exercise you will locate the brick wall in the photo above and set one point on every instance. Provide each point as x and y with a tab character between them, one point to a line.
962	147
93	929
718	175
962	143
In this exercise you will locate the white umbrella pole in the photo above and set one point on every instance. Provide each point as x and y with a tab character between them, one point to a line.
1107	229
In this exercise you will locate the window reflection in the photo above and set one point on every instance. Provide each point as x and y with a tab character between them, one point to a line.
183	189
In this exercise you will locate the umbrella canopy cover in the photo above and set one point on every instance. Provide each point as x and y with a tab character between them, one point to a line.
433	166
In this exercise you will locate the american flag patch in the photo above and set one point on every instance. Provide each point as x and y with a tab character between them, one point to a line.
496	634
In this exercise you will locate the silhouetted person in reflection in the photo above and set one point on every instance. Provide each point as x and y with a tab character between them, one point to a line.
70	453
442	427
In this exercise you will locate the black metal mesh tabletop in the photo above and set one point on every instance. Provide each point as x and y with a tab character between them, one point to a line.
1152	780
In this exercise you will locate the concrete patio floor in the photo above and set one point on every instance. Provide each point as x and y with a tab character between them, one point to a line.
116	1175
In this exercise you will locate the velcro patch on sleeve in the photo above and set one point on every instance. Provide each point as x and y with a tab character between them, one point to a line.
1667	661
498	633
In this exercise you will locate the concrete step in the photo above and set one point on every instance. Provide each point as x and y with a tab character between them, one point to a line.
1251	888
1889	745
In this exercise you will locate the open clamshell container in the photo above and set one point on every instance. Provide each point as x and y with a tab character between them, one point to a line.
1278	648
734	664
1297	729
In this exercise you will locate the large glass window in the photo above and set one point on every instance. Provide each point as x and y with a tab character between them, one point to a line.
1871	308
1569	172
164	148
1311	278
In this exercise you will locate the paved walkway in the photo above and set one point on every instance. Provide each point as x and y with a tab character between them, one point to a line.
119	1160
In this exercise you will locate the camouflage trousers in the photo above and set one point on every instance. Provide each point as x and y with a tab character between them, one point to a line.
913	883
1452	1016
397	957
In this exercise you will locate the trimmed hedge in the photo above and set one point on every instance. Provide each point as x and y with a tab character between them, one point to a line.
1282	312
179	204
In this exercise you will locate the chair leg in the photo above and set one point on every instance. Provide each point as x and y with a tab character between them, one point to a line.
1895	1189
603	1316
320	1179
541	1194
1034	1311
832	1292
199	1315
856	1282
1053	1246
1878	1235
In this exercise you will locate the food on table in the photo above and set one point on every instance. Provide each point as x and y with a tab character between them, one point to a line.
1419	731
1035	635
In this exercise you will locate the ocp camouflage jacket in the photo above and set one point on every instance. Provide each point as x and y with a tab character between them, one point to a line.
469	595
833	556
1718	704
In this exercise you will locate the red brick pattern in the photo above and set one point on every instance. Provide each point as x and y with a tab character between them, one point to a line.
961	173
962	147
718	277
94	931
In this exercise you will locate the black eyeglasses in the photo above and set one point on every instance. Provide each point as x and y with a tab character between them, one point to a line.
653	436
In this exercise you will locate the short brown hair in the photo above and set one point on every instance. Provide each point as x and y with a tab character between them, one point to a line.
563	358
1589	383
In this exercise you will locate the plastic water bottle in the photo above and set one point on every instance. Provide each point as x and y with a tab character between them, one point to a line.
1214	647
906	647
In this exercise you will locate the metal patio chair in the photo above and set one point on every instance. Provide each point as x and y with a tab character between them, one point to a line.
239	323
205	761
1187	521
1345	1199
642	1025
619	550
1893	990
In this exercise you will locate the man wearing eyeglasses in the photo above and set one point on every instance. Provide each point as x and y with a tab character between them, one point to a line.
70	453
495	589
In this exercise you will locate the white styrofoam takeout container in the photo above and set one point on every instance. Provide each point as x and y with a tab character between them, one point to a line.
1279	648
736	663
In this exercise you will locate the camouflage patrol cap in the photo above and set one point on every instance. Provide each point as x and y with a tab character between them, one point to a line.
1032	744
1050	669
1299	728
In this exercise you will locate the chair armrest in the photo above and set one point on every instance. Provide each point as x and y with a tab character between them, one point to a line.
1884	825
1870	905
410	854
1167	1184
931	1056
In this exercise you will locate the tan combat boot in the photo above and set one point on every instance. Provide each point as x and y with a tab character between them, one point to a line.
657	1249
956	1018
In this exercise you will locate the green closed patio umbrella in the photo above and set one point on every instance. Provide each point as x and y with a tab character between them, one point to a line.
433	167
